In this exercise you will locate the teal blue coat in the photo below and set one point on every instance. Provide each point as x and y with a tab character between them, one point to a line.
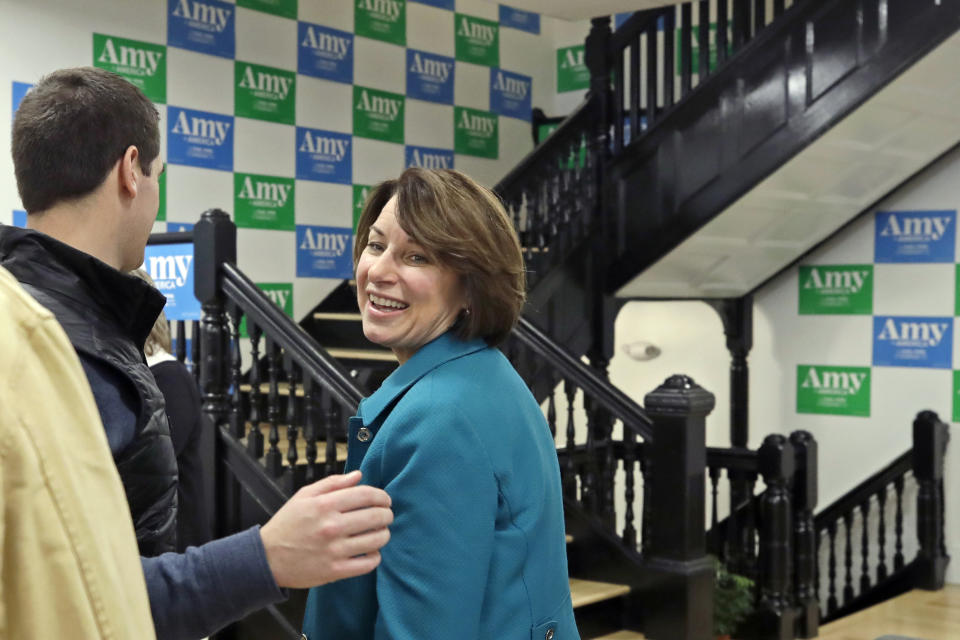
477	547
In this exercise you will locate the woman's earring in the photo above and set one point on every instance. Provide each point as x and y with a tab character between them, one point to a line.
466	311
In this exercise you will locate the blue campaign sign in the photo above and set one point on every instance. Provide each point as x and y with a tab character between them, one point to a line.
430	76
18	90
908	341
428	158
324	252
510	93
325	53
19	218
522	20
440	4
620	18
171	267
174	227
915	236
206	26
325	156
199	139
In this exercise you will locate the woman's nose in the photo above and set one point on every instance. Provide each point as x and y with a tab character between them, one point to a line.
382	269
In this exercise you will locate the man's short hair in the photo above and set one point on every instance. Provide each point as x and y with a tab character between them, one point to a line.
70	130
464	227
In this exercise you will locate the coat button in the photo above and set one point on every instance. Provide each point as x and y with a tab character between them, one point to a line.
549	635
363	435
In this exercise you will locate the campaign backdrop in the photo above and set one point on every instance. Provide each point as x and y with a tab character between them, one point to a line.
284	113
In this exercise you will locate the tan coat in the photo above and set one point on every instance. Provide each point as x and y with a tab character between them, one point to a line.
69	566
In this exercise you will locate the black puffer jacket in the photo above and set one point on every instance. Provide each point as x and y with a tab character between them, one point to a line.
107	315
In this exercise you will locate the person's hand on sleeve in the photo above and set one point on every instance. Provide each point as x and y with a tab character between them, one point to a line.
329	530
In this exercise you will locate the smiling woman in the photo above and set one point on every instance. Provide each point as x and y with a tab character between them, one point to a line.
453	435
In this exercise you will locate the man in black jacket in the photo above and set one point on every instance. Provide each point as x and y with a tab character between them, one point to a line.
86	155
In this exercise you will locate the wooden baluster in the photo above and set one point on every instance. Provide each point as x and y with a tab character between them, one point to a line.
618	97
777	8
294	422
669	59
255	436
749	539
552	414
898	525
882	535
635	107
715	543
333	426
865	547
832	604
651	72
273	460
589	490
723	26
759	16
686	48
646	472
238	421
194	344
943	523
570	469
703	41
311	391
181	341
629	459
848	559
741	23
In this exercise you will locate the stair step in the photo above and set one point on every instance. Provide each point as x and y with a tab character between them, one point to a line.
283	445
334	315
380	355
584	592
622	635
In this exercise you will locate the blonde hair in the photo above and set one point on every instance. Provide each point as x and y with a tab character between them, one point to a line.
463	226
159	338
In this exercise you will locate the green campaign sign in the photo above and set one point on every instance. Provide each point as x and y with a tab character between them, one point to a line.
142	63
162	207
281	293
381	20
836	289
378	114
572	72
841	391
282	8
360	194
476	133
265	93
477	40
263	202
956	396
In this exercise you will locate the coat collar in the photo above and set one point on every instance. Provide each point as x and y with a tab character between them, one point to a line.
441	350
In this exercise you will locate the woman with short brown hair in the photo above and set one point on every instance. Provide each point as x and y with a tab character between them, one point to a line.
477	545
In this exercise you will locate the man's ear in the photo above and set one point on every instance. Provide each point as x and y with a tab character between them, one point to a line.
129	169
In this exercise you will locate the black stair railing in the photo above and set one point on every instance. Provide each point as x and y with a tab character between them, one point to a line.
271	423
863	538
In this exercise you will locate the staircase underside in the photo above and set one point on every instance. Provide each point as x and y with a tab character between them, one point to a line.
873	149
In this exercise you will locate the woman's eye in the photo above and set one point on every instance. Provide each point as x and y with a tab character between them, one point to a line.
418	259
375	246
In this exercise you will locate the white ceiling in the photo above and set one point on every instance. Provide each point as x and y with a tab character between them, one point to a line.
891	136
581	9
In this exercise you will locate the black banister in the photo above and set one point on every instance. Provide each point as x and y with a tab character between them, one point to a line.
172	237
299	346
853	498
601	391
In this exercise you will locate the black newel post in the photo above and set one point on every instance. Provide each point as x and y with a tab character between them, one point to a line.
682	574
930	437
775	611
805	535
214	242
